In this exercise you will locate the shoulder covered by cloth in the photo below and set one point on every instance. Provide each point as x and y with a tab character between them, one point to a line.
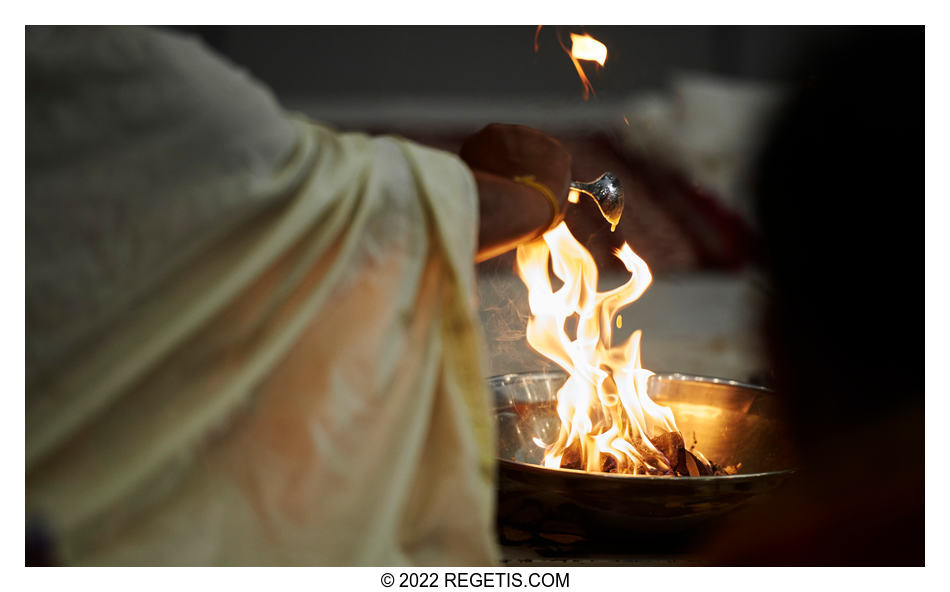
153	409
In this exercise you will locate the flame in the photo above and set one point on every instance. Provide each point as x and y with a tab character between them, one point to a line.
607	418
585	47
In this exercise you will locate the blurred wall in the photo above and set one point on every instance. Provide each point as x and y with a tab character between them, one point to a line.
331	62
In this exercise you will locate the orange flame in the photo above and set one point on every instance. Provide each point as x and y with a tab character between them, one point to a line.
607	418
585	47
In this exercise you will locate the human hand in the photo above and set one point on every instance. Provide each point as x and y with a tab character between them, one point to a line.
510	212
511	151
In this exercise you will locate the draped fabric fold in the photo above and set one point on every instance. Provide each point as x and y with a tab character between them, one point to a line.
304	389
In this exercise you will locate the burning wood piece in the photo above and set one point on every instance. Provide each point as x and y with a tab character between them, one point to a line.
684	462
696	467
703	465
673	448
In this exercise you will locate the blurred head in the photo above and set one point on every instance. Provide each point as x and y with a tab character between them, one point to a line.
839	200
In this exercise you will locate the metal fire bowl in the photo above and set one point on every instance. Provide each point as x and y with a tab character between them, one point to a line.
729	422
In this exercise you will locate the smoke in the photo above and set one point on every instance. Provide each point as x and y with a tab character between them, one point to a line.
503	309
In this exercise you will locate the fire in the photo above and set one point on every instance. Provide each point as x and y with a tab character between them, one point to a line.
607	418
585	47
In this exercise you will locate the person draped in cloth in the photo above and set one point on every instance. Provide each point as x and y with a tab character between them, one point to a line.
252	339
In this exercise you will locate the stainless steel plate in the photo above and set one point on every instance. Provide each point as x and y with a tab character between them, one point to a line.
729	421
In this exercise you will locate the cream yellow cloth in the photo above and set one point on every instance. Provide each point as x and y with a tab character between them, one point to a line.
308	389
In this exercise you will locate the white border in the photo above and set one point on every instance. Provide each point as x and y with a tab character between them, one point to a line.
485	12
